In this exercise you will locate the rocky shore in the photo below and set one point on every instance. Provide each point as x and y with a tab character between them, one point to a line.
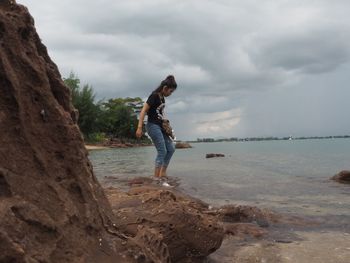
53	209
115	143
175	227
118	145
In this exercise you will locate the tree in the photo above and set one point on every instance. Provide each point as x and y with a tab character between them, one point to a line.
73	83
83	100
118	118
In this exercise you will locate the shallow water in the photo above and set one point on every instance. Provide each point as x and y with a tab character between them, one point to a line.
290	177
286	176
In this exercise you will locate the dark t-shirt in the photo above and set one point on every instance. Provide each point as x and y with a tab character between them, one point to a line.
156	111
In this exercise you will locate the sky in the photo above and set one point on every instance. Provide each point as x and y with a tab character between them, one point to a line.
244	68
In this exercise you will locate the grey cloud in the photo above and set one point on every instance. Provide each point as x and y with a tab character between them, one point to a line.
217	120
225	54
204	104
311	52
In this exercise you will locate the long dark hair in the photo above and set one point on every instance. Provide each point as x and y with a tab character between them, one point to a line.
169	81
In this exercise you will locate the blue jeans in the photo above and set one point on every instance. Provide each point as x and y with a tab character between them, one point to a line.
164	145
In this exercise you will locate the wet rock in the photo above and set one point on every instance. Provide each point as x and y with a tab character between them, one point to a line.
182	145
342	177
244	222
244	229
245	214
212	155
140	181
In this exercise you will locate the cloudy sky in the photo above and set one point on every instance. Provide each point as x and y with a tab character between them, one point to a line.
244	67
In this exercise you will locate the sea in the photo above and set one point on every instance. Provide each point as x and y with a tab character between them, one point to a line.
291	177
284	175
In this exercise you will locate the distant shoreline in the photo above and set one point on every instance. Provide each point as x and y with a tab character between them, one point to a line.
269	139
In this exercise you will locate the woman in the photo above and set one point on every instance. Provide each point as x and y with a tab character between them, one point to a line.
154	108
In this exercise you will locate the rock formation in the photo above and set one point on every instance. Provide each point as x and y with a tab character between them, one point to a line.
342	177
182	145
171	225
181	227
52	209
212	155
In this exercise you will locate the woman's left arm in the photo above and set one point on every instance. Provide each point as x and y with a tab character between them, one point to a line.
143	112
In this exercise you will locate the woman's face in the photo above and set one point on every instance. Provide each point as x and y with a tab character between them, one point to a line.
167	91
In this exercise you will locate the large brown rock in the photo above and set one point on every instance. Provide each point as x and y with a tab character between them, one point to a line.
342	177
212	155
182	145
52	209
173	226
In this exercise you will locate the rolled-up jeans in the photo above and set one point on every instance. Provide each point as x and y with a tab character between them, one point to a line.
164	145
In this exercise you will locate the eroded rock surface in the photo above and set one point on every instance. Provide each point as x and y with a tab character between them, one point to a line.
185	228
167	222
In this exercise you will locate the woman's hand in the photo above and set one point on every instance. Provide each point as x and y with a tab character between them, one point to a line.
139	132
143	112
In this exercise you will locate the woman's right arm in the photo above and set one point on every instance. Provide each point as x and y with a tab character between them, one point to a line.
142	116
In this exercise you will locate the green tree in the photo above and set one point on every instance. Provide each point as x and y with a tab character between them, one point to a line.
118	118
73	83
83	100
